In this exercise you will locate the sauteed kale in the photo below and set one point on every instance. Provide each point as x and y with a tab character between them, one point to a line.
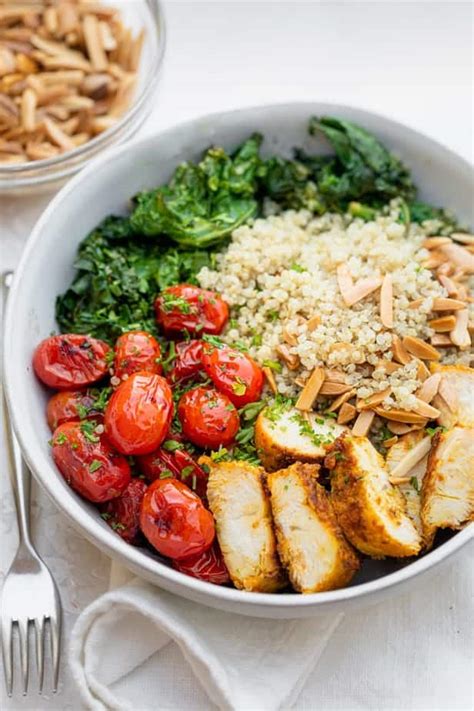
174	230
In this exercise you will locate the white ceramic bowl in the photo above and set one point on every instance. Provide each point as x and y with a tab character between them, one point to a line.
46	270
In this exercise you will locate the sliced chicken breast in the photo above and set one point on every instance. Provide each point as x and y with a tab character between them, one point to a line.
455	397
289	437
370	511
411	490
310	542
244	525
447	494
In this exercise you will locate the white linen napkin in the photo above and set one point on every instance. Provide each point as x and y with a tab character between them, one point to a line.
242	663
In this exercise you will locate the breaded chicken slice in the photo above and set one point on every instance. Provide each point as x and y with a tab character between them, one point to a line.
447	494
411	490
244	525
286	436
455	397
310	541
370	511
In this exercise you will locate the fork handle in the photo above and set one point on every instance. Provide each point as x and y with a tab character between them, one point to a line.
21	481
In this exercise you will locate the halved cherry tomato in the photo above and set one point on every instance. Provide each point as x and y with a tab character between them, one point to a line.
187	363
233	373
175	521
208	566
139	413
161	464
88	462
70	405
208	417
70	361
137	350
188	308
123	513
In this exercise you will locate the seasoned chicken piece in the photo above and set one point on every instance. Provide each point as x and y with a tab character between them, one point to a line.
411	490
244	525
455	396
447	494
288	436
370	511
310	541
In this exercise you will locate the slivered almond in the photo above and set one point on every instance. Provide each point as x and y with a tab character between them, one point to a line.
66	61
442	304
411	458
386	302
449	394
425	410
460	333
28	108
268	373
375	399
420	349
292	361
346	413
331	388
441	340
397	480
313	322
463	237
399	351
387	443
335	376
435	242
435	260
415	304
400	428
107	39
444	324
57	136
389	366
400	415
459	256
95	50
363	288
422	372
311	390
446	268
363	423
336	404
68	18
289	338
50	17
345	282
429	388
135	52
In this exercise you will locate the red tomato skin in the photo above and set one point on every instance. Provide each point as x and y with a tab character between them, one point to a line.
174	520
70	361
159	463
208	566
62	407
74	454
230	370
135	351
123	513
139	413
208	418
188	362
206	312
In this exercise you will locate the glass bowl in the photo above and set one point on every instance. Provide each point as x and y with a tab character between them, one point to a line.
33	177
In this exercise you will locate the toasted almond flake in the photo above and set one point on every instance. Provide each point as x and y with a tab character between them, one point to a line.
399	351
400	428
345	283
103	123
459	256
446	268
291	361
387	443
411	458
425	410
300	382
336	404
124	95
420	349
80	138
124	49
429	388
107	39
422	372
289	338
51	47
77	103
463	237
66	61
389	366
400	415
346	414
25	64
57	136
441	340
415	304
311	390
329	387
28	108
442	304
449	394
375	399
444	324
68	18
363	423
41	151
386	301
313	322
69	76
435	260
268	373
362	289
435	242
95	50
50	17
397	480
335	376
460	334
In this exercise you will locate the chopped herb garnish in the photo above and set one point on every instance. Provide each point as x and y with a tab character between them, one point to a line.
88	430
95	465
297	268
60	438
273	365
118	526
171	445
166	474
415	484
239	387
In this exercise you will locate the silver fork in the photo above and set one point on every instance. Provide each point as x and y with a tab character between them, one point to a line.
30	597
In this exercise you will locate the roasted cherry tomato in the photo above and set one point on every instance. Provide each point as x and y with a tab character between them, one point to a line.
123	513
188	308
134	351
175	521
139	413
233	373
208	417
70	405
187	363
70	361
208	566
161	464
88	462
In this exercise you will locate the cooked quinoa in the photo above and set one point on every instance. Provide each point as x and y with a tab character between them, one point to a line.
279	272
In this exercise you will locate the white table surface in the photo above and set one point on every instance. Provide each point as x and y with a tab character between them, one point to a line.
411	61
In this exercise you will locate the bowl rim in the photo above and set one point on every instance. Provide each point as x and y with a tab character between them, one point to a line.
106	539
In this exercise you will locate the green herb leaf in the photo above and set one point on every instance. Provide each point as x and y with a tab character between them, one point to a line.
95	465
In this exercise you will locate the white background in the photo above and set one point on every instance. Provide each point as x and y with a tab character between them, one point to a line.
413	62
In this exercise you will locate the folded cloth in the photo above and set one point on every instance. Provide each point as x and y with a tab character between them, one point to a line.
242	663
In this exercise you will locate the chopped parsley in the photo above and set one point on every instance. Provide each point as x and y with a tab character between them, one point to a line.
88	430
171	302
60	438
171	445
95	465
273	365
415	484
239	387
